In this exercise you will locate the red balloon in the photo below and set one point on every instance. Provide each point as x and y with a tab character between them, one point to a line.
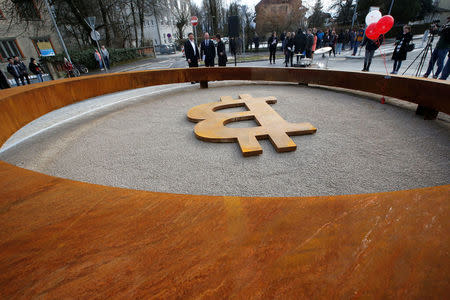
372	32
385	24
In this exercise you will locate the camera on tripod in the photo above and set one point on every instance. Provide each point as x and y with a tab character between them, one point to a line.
434	27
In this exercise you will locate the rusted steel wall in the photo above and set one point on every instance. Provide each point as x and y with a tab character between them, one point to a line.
21	105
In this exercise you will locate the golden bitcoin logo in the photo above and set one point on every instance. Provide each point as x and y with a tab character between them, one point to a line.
211	126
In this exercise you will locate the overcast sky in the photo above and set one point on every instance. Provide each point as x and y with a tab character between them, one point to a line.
252	3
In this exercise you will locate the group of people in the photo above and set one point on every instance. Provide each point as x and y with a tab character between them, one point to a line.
306	42
292	43
441	50
209	49
19	71
102	58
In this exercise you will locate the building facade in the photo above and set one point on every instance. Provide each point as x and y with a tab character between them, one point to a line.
279	15
26	30
442	11
160	28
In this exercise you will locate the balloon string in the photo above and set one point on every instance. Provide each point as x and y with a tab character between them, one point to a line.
383	86
383	55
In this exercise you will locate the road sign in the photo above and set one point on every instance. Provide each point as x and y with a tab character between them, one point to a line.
194	20
95	35
90	21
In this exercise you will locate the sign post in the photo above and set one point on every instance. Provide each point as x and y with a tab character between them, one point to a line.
194	22
95	35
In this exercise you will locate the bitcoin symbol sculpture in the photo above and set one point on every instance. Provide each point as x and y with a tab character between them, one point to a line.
211	126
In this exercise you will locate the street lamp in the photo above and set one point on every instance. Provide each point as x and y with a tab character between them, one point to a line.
390	8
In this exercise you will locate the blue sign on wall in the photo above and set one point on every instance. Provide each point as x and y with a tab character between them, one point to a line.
47	52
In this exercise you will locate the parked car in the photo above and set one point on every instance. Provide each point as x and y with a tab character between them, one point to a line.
167	49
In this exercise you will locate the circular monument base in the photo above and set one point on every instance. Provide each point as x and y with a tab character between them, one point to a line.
361	146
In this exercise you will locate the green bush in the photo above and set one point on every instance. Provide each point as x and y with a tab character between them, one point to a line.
87	58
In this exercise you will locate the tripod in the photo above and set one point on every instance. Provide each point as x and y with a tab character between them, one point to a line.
423	56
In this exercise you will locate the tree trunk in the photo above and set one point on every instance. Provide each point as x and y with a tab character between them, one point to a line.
105	22
79	17
134	22
141	9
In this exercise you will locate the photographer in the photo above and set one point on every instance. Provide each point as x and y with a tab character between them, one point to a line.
441	50
446	71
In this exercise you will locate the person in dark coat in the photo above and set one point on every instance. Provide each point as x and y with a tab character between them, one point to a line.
221	53
289	46
346	39
401	48
440	50
23	70
332	39
325	42
283	36
300	43
233	47
352	38
36	69
191	52
340	42
256	42
272	43
309	43
371	46
4	84
14	70
208	51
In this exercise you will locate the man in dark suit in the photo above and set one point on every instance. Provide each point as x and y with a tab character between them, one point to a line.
22	68
208	51
14	70
191	52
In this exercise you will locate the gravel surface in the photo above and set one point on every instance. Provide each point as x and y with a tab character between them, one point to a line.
361	146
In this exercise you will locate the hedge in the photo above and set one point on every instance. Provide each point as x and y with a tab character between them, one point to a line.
87	58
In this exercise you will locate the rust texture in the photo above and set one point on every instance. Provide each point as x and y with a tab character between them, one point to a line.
66	239
211	126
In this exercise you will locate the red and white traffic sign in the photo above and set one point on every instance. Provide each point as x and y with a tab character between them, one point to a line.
194	20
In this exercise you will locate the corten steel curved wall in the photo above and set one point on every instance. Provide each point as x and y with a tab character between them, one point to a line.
61	238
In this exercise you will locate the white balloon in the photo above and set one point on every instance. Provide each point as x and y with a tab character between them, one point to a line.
373	17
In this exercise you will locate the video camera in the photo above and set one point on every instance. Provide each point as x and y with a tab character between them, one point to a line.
434	27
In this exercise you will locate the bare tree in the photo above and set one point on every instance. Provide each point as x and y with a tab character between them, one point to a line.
21	12
182	17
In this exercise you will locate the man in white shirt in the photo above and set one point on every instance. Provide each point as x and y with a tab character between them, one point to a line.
191	51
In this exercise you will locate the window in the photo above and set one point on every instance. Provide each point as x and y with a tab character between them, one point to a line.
9	48
43	46
27	10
